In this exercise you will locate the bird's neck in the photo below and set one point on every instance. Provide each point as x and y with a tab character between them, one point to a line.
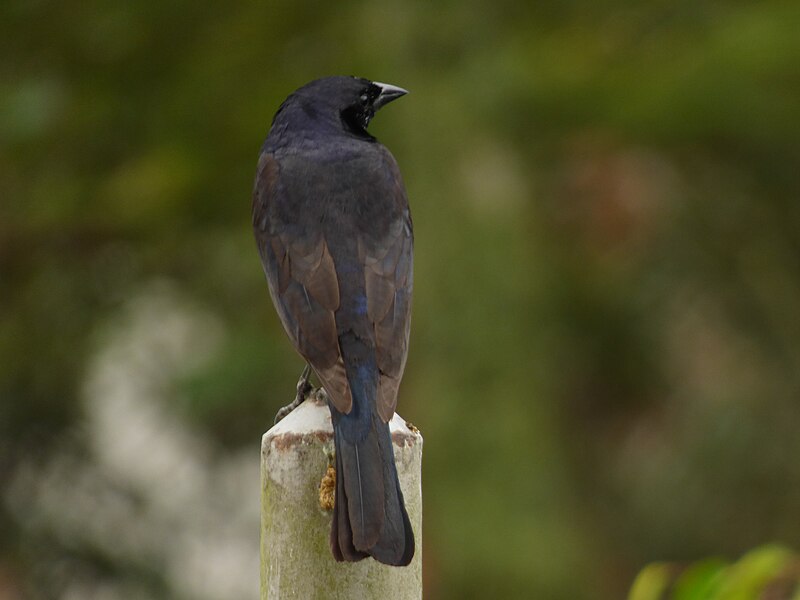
299	123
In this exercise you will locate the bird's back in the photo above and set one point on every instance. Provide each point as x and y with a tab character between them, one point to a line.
345	194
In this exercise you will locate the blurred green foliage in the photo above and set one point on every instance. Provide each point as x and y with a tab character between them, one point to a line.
605	356
769	573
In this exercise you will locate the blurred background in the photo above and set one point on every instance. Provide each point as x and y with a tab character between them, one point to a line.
605	354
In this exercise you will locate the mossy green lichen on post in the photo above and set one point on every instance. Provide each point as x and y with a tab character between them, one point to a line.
296	561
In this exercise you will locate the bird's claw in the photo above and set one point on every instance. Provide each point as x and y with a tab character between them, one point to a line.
303	389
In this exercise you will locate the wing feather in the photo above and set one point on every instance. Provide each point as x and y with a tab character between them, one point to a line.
388	275
303	284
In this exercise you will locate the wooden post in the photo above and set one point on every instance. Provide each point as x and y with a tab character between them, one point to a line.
296	561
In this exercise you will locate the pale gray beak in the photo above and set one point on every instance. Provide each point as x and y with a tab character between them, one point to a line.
388	93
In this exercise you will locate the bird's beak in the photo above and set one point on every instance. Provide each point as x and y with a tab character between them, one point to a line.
388	93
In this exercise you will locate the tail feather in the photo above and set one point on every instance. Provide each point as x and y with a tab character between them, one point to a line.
341	533
396	544
361	480
369	516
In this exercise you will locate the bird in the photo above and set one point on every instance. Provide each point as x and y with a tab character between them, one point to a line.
334	233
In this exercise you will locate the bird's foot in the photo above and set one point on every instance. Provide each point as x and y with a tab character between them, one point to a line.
320	395
303	390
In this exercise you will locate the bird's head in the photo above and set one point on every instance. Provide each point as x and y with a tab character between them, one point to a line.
341	102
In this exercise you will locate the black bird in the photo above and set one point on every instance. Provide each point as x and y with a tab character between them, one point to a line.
334	233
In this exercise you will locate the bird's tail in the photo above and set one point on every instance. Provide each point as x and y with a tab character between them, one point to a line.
369	515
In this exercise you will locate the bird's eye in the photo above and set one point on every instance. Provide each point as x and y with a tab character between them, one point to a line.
364	99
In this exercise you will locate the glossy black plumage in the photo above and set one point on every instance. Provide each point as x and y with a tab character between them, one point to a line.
334	233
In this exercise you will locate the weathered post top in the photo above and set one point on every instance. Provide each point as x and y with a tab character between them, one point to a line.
296	560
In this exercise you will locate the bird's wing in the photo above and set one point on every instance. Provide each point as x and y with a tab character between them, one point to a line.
388	270
302	282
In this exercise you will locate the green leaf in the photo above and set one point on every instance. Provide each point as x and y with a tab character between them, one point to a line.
651	583
748	577
699	581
